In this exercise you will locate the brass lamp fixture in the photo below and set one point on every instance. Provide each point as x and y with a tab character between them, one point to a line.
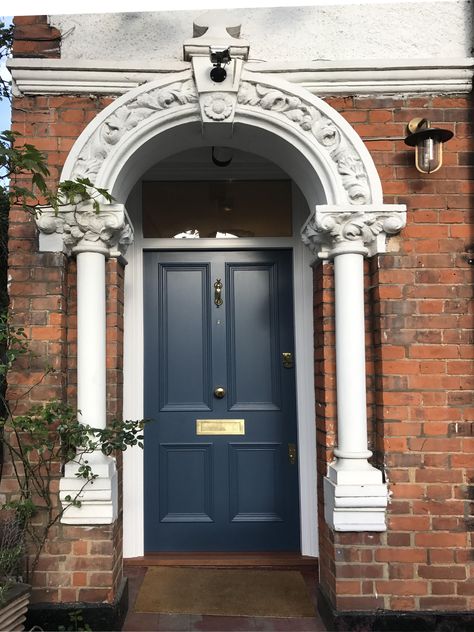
428	143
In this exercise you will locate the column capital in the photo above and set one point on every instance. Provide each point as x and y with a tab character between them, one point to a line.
338	229
80	228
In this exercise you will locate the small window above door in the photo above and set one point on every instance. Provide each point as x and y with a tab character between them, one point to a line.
217	209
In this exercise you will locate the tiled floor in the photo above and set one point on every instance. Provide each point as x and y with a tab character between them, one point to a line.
206	623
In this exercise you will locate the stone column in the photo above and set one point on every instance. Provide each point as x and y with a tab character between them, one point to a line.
355	495
92	237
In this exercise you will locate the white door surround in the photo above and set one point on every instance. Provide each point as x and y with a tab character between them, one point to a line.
328	161
133	367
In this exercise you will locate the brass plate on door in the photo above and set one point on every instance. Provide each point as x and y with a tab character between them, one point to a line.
220	426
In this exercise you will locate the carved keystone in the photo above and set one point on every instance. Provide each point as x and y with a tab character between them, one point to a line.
217	100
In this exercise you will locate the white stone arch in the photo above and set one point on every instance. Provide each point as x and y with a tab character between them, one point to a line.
119	141
330	164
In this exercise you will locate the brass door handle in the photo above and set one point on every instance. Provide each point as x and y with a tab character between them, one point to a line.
219	392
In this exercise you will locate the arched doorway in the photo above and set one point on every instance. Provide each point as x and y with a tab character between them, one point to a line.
328	163
249	169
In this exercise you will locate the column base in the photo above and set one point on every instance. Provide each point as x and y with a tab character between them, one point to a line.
99	497
355	498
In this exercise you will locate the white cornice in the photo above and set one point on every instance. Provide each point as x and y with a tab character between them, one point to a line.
365	77
379	77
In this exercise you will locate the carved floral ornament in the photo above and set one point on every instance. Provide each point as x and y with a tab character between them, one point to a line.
110	230
312	121
332	230
83	229
125	119
218	108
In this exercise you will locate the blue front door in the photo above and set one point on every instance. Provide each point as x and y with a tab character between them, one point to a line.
220	464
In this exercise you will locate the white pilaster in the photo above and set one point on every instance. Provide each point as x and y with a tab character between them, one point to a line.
355	495
91	334
92	237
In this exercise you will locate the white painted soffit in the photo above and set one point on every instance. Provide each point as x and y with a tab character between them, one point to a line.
58	76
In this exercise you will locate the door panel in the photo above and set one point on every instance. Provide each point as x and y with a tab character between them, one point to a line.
252	338
183	342
221	492
185	483
255	499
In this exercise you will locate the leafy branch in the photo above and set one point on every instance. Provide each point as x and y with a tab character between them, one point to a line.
23	167
24	175
40	442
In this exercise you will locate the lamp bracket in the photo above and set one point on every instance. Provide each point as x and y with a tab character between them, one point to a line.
416	124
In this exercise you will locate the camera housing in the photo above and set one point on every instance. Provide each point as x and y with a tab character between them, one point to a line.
219	58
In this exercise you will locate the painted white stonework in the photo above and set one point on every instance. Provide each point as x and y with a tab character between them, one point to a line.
355	495
324	78
398	30
81	228
217	101
334	230
394	47
90	236
263	102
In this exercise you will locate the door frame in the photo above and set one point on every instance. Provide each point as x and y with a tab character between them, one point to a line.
133	482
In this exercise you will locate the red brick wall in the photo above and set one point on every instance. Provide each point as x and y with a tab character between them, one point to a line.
419	368
79	563
33	37
420	380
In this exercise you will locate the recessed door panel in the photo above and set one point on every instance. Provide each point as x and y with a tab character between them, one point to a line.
255	482
252	339
221	401
184	337
185	483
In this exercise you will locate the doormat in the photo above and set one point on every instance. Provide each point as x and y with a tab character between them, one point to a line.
228	592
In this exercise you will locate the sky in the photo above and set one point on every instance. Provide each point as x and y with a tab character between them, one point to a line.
4	103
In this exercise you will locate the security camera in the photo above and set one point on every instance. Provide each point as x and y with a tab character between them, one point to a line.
219	58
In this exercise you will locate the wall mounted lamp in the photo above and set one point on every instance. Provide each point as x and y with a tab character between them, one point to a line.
222	156
428	143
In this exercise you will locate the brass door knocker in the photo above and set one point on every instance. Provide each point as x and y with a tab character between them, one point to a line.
218	293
